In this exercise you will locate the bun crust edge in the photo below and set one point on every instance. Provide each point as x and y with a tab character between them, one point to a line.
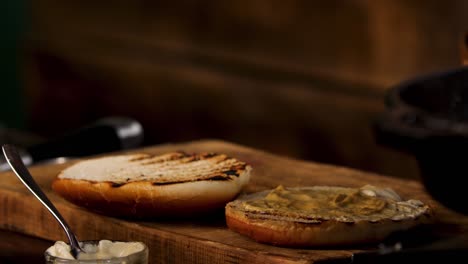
289	233
143	199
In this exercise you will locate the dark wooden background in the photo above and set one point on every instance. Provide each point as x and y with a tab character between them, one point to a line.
299	78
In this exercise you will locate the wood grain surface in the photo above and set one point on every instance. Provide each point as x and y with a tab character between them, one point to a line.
17	248
205	239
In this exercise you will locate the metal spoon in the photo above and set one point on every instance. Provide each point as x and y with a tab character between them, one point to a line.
14	160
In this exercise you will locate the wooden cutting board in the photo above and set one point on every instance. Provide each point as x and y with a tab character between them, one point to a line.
204	240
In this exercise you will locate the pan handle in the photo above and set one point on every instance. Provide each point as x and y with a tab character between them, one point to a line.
105	135
400	129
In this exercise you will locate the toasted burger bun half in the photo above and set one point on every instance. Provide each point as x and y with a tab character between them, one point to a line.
142	185
324	216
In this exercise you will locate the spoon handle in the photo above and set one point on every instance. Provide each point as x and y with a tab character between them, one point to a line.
18	167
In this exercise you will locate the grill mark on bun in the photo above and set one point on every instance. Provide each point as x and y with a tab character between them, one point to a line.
231	172
209	155
154	159
116	184
139	158
212	178
169	168
226	176
164	183
219	178
183	157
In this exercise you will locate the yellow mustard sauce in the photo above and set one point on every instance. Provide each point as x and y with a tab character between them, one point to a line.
345	204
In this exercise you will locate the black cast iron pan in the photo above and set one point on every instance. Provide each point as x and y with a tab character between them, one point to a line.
428	117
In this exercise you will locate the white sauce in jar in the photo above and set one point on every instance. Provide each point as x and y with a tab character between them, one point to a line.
105	249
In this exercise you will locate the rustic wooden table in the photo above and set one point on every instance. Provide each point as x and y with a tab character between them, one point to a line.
206	239
16	248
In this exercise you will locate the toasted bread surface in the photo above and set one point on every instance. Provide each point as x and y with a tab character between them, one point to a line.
142	185
323	215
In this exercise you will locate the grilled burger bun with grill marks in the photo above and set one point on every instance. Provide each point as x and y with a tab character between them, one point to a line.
323	215
142	185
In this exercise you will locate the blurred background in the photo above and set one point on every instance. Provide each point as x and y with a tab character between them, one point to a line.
300	78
